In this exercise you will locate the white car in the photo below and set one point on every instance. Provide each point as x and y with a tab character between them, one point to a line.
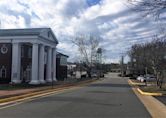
147	78
143	79
139	78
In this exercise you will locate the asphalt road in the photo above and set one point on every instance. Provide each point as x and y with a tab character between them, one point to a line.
161	99
109	98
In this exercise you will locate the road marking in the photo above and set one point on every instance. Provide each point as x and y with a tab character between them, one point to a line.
28	99
10	105
49	93
42	95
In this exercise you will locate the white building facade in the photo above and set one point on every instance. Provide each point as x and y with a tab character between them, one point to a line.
42	43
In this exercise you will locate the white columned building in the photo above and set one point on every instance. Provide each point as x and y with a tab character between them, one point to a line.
35	61
16	62
41	64
31	45
54	64
49	66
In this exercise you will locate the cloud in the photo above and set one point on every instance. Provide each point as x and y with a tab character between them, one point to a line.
118	26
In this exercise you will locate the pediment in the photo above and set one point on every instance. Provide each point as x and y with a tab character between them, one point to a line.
48	34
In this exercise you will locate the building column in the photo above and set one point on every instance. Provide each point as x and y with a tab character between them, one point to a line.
41	64
34	76
49	65
54	64
16	63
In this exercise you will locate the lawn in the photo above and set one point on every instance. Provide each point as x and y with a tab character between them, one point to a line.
150	87
154	89
19	86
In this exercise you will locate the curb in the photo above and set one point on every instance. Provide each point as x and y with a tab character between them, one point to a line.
156	108
149	93
13	98
134	83
142	92
50	90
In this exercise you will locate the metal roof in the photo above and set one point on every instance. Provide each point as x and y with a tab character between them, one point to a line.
61	54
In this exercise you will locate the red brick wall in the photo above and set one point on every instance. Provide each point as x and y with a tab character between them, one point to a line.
5	60
61	71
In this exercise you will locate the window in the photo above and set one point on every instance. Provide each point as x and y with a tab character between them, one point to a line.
29	52
48	34
63	61
3	72
22	51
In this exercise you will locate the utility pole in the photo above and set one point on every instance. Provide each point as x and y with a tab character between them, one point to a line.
0	24
146	72
122	66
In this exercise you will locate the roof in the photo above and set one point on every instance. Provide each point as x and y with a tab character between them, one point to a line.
71	63
61	54
26	31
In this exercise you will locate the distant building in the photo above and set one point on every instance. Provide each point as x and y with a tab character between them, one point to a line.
76	70
27	55
71	66
61	67
115	67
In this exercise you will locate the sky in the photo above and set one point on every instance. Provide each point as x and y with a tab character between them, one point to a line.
114	21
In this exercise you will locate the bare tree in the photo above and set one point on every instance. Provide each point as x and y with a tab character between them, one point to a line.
150	56
150	7
87	47
154	8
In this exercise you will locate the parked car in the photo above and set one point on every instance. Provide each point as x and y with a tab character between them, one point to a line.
146	78
149	78
141	77
97	73
93	74
101	74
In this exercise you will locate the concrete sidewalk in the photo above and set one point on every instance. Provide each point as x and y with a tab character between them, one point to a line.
5	93
21	91
155	107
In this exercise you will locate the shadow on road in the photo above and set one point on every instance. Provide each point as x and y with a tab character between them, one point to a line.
110	85
75	100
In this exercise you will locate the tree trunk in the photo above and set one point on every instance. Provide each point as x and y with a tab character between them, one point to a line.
89	73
